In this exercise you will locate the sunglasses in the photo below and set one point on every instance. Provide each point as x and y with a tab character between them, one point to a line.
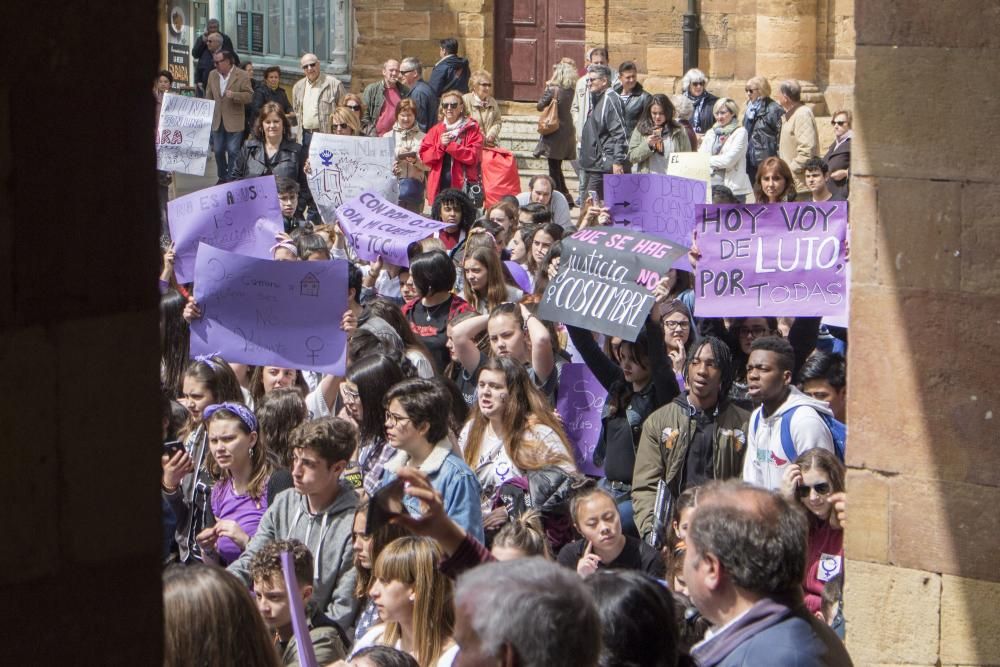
310	65
697	83
838	122
339	126
406	71
750	90
450	105
821	489
353	107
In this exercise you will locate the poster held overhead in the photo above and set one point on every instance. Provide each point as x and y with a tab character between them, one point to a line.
606	279
342	168
240	216
760	260
183	134
375	227
270	313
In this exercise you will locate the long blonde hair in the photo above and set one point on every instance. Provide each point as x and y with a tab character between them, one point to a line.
564	74
414	562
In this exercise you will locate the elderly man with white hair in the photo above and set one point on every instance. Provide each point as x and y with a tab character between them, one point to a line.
314	97
799	138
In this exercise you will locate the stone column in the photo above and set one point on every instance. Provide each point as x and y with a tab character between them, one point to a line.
341	23
786	39
922	583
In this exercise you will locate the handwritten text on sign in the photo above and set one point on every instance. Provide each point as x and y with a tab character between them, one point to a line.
342	168
183	134
772	259
656	204
605	280
580	403
241	216
270	313
376	228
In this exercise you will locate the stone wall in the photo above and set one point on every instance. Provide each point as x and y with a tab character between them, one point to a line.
80	415
922	583
399	28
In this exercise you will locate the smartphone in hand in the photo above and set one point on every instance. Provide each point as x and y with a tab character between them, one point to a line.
171	447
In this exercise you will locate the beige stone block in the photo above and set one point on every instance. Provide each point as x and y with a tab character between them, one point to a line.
867	535
970	631
778	67
474	50
898	143
659	84
980	251
471	25
396	25
787	35
718	63
942	527
30	478
893	614
841	71
420	4
444	24
472	6
928	259
364	22
863	212
967	24
805	9
665	60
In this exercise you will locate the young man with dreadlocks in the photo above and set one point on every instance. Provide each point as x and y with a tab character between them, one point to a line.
699	436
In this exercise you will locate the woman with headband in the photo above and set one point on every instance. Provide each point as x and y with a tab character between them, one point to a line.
246	481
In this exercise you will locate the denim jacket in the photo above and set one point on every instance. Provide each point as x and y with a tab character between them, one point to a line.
454	480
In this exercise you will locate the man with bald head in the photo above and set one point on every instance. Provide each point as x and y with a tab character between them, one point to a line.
745	563
381	99
314	98
210	42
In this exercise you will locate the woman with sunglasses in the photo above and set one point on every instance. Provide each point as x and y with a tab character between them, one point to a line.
483	107
453	149
695	88
838	156
762	121
353	102
345	123
816	480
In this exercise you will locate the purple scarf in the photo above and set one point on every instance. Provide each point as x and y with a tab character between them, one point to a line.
758	618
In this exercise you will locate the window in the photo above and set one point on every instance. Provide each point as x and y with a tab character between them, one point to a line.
278	32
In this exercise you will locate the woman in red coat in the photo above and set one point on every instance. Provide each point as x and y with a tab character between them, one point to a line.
453	148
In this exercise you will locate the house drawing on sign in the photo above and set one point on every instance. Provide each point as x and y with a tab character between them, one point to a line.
309	286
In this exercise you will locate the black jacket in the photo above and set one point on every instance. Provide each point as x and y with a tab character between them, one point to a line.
287	162
263	94
427	104
704	118
632	108
452	73
204	56
764	131
604	142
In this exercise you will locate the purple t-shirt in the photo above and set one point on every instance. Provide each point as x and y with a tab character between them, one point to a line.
244	510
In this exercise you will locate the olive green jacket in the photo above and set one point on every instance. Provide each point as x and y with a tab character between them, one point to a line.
662	453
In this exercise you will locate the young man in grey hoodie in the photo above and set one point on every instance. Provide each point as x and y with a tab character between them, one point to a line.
769	380
319	512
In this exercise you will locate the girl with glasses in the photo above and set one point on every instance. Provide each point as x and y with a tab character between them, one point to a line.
816	480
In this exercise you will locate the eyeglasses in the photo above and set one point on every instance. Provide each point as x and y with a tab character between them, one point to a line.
485	85
309	65
821	489
755	332
450	105
349	395
697	83
676	324
391	418
838	122
339	126
406	71
750	90
353	107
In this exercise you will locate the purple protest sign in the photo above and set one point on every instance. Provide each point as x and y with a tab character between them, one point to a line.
520	276
270	313
375	227
241	216
656	204
303	642
580	402
772	260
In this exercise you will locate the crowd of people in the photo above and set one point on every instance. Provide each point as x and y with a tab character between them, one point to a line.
433	504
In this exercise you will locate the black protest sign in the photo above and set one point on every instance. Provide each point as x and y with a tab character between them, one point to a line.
605	280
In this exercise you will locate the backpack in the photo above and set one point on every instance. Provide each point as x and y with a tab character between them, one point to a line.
838	431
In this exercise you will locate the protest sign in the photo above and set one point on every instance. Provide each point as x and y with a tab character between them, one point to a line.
694	166
772	260
656	204
375	227
580	403
605	280
265	312
303	641
241	216
183	134
344	167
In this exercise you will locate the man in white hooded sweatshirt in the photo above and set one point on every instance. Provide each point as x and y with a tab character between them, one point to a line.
319	512
769	380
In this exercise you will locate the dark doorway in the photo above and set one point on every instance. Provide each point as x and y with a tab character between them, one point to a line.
532	36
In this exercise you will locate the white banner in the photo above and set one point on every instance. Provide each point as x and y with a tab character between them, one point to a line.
184	134
343	168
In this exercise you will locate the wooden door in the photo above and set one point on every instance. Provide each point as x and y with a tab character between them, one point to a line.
531	37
